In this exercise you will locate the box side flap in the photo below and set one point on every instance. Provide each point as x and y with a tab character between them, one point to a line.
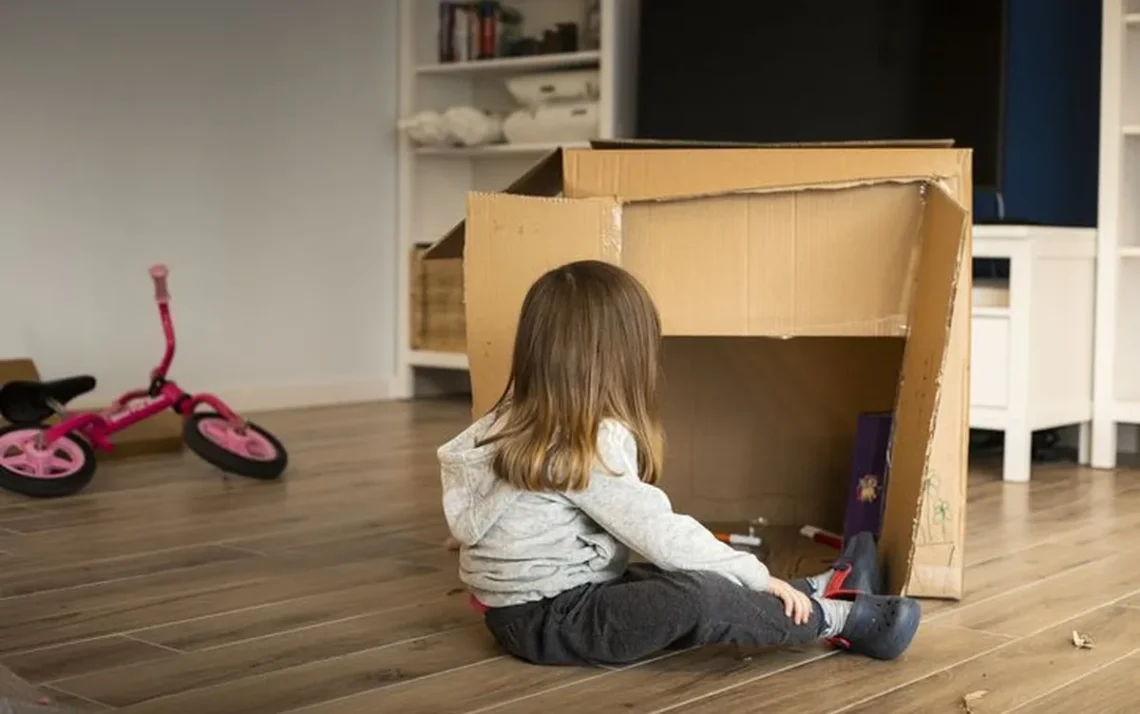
938	564
916	508
610	144
512	241
542	179
656	172
780	264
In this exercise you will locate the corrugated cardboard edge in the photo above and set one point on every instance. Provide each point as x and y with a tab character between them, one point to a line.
937	570
932	573
791	188
611	144
939	181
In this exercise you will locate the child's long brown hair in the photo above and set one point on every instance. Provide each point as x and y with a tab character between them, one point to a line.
587	349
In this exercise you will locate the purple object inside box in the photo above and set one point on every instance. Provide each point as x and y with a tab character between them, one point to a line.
867	490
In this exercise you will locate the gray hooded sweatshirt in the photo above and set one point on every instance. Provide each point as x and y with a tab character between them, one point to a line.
519	546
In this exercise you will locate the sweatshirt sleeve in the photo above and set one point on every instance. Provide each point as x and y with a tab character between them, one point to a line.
641	516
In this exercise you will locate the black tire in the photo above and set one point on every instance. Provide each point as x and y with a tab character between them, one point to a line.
52	487
228	461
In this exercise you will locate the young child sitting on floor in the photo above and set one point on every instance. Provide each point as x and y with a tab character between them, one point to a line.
548	493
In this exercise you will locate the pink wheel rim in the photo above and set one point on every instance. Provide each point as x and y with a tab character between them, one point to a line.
248	443
20	454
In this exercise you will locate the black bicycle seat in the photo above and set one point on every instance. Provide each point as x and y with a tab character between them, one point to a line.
29	402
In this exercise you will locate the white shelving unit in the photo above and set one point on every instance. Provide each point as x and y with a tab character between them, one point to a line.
496	151
438	360
1116	386
515	65
434	182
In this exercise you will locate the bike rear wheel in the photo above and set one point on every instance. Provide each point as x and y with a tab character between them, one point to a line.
61	468
254	452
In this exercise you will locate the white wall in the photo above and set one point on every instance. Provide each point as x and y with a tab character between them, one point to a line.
247	143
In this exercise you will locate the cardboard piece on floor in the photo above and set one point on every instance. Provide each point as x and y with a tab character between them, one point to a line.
15	370
160	434
798	288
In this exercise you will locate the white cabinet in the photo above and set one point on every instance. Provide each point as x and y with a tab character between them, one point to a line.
1031	351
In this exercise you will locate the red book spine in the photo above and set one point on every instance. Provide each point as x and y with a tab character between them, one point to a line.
488	27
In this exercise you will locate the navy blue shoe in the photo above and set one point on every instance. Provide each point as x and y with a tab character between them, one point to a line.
880	626
856	570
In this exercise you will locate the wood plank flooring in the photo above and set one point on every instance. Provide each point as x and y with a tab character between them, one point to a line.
166	588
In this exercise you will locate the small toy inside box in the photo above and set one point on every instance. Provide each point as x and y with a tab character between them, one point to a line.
784	549
159	435
810	549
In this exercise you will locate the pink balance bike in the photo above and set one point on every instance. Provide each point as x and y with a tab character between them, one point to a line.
45	461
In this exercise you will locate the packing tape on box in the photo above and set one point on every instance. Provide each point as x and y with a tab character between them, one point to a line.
611	234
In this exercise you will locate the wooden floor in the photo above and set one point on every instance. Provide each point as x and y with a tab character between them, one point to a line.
166	589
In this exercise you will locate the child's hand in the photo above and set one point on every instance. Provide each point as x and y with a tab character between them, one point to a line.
797	605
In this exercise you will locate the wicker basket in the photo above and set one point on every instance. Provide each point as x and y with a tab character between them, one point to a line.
438	320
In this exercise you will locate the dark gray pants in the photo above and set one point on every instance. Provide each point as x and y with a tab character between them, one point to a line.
645	611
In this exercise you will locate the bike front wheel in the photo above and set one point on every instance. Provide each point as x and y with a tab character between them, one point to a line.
251	451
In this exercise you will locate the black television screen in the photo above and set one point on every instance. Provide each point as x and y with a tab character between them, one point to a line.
825	70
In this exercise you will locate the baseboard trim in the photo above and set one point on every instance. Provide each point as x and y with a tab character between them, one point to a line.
272	398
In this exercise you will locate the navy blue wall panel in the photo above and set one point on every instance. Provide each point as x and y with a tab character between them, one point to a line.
1052	110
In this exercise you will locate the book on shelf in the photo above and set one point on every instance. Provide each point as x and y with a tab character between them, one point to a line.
476	30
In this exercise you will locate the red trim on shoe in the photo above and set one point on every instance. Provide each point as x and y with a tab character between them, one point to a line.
835	585
476	605
839	642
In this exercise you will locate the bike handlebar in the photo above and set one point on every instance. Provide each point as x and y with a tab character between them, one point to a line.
158	274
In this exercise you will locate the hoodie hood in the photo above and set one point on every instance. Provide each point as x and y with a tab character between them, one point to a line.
473	498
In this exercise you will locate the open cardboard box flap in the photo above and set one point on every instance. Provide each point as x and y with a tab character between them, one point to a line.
866	273
604	170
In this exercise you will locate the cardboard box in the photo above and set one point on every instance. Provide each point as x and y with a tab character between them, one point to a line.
798	287
160	434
